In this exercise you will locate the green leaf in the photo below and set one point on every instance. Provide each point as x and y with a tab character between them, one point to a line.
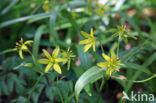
5	10
37	38
138	67
130	54
7	51
9	22
90	75
84	57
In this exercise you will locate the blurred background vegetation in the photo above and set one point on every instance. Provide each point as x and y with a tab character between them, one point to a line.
61	25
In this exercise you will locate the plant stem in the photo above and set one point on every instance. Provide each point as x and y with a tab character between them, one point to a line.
102	84
101	46
59	92
34	87
141	81
100	89
118	46
69	97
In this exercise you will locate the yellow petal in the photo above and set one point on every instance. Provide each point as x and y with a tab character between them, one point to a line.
21	54
24	47
48	67
28	42
91	32
56	52
46	54
113	56
85	34
43	61
107	58
59	60
94	46
17	44
87	47
117	62
21	40
102	64
86	41
109	72
57	68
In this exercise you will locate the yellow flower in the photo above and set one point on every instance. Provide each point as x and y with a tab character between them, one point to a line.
90	41
52	60
68	56
22	46
111	63
100	10
46	6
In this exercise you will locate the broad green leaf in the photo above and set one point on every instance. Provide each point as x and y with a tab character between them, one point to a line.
84	57
130	54
37	39
90	75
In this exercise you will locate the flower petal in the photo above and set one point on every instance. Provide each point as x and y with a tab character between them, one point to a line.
107	58
117	62
60	60
24	47
21	54
102	64
21	41
56	52
48	67
87	47
85	34
109	72
91	32
28	42
57	68
46	54
86	41
43	61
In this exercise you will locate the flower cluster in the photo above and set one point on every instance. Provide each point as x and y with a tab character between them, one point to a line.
122	33
90	41
51	60
22	46
68	56
111	63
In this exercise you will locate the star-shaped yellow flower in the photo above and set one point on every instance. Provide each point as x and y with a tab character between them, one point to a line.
68	56
90	41
52	60
22	46
111	63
